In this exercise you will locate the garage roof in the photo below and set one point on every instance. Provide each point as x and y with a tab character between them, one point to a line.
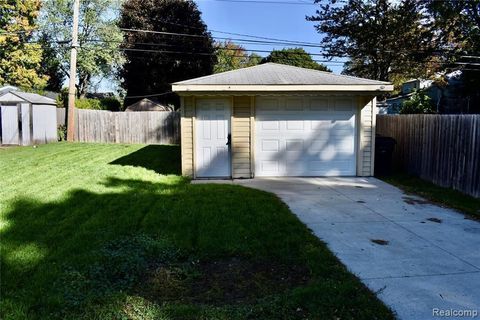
274	76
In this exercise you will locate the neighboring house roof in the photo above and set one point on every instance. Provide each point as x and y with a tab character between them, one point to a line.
17	96
100	95
147	105
274	76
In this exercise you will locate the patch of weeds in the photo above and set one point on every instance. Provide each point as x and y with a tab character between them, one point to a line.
122	261
380	242
119	264
221	282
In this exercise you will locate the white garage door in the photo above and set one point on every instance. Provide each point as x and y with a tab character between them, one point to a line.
305	136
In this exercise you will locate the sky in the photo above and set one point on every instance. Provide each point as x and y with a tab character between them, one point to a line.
284	20
274	20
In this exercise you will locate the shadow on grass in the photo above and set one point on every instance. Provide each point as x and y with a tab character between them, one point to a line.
163	159
129	248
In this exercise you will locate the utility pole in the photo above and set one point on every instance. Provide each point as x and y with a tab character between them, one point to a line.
73	74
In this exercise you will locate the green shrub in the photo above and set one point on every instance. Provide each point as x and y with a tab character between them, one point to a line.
111	104
62	98
92	104
62	132
419	102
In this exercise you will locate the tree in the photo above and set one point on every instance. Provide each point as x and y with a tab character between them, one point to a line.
457	26
297	57
19	59
51	65
457	23
384	40
169	57
419	102
98	36
231	56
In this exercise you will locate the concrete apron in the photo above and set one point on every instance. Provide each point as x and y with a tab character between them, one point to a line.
422	260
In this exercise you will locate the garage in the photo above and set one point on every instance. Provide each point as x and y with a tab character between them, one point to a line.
305	137
274	120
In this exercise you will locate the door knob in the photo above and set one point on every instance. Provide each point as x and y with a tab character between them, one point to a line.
229	139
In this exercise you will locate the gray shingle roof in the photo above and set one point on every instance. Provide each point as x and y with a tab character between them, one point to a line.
33	98
147	105
278	74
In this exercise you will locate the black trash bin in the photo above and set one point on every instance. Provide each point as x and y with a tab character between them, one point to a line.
384	147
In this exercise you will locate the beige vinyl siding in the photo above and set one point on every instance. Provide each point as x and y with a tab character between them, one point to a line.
242	126
241	137
187	146
366	136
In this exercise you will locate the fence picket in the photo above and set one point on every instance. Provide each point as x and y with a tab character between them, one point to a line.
150	127
444	149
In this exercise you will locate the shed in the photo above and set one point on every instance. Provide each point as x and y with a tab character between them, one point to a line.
27	118
278	120
148	105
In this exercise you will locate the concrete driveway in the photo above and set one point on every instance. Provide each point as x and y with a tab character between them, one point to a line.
418	257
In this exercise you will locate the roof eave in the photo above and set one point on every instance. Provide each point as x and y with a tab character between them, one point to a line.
281	88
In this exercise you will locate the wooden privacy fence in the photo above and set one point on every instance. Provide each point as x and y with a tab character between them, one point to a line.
152	127
61	117
444	149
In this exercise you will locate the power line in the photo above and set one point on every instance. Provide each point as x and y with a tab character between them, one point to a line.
215	37
251	41
267	2
332	62
254	42
193	53
217	48
165	33
271	41
241	34
169	45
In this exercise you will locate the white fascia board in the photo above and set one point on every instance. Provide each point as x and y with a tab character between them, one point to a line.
271	88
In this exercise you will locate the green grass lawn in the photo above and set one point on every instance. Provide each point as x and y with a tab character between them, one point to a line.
443	196
94	231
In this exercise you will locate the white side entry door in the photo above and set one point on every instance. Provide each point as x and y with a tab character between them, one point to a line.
212	137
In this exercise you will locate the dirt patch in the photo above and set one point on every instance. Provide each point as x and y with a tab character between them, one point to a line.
436	220
414	201
380	242
219	282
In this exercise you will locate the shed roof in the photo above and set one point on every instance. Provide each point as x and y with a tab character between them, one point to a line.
18	96
147	105
7	88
